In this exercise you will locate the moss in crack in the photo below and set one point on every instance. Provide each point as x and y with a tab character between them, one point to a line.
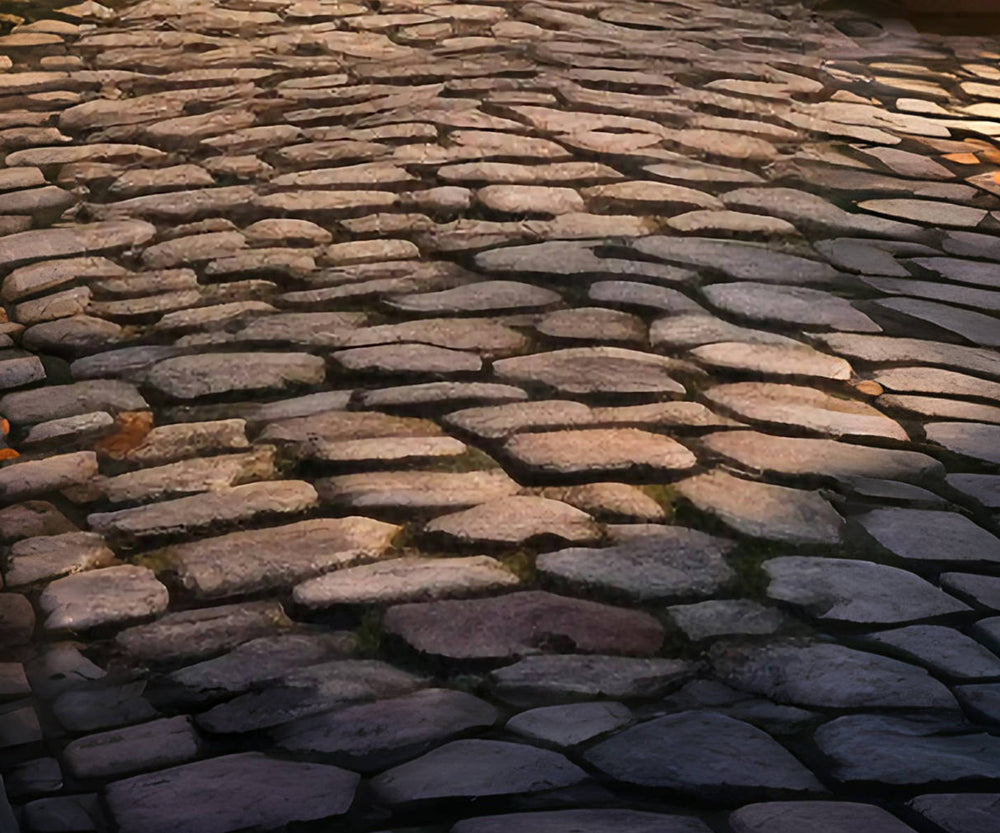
666	496
521	563
471	460
370	634
750	581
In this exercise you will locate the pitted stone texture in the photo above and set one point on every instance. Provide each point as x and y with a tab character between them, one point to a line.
757	452
406	580
959	812
583	370
188	377
520	623
801	407
724	759
484	297
979	441
788	306
30	478
761	510
859	592
771	359
583	821
516	520
886	750
373	736
416	490
282	556
922	535
828	676
671	563
109	596
944	651
154	745
52	556
476	768
571	724
598	450
816	816
560	678
725	617
210	796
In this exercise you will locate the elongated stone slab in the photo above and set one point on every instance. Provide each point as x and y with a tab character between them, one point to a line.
922	535
188	377
103	597
598	450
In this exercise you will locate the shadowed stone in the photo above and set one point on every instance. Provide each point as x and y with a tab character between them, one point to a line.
583	821
519	623
922	535
154	745
571	724
103	597
815	816
210	796
188	377
725	617
416	490
52	556
724	759
945	651
970	439
476	768
959	812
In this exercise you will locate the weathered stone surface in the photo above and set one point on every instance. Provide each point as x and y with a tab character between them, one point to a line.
808	408
109	596
798	306
497	421
830	676
725	759
959	812
154	745
725	617
188	377
598	450
561	677
764	511
818	816
525	622
771	359
516	520
485	296
30	519
475	768
923	535
406	580
982	590
583	821
416	490
210	796
889	750
193	634
373	736
860	592
944	651
282	555
758	452
52	556
40	244
47	403
970	439
571	724
672	563
187	515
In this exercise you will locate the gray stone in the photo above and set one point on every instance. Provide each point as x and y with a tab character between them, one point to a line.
558	678
724	759
79	813
923	535
597	450
52	556
29	478
482	296
944	651
520	623
827	675
56	402
816	816
473	769
210	796
583	821
571	724
788	306
105	707
188	377
109	596
771	359
868	748
761	510
859	592
970	439
975	327
373	736
673	563
725	617
959	812
516	520
980	590
154	745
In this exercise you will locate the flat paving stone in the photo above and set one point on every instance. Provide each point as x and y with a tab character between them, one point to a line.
885	349
593	324
945	651
373	736
571	724
818	816
189	377
485	296
593	450
109	596
974	327
498	421
870	748
926	211
714	767
959	812
53	556
516	520
582	370
702	328
406	580
31	478
922	535
519	623
757	452
725	617
416	490
583	821
802	407
979	589
209	796
673	563
760	510
557	678
283	555
970	439
854	591
154	745
475	768
827	675
772	360
788	306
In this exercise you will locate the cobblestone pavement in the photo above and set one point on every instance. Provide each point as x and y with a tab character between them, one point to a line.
533	416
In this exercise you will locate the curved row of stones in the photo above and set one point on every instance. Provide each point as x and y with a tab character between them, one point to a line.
540	415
